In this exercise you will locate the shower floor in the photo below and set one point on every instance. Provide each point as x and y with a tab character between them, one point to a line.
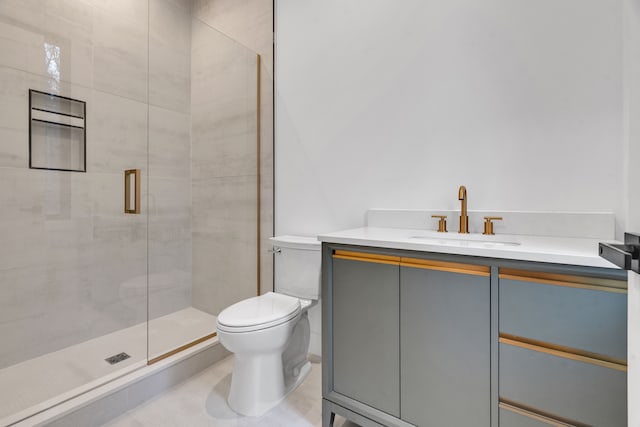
41	382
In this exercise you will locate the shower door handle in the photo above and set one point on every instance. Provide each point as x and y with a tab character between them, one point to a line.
132	191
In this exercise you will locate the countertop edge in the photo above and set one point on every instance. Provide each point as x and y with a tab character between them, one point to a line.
553	257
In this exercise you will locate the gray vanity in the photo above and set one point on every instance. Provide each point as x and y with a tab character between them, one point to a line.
425	338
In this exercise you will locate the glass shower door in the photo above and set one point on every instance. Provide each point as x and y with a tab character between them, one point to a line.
141	222
203	178
73	264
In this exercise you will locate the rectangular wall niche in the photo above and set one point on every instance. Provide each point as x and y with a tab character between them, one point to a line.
57	132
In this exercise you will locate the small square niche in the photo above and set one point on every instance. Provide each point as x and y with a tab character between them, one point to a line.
57	132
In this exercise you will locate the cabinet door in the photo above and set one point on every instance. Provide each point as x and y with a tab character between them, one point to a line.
366	362
445	347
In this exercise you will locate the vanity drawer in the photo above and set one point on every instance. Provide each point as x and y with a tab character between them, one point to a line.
566	386
585	314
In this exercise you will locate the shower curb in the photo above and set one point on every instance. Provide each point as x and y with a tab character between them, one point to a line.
104	403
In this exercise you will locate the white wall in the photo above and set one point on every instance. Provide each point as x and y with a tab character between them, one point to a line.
632	111
632	202
395	104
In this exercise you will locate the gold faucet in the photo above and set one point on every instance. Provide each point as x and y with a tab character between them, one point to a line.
464	218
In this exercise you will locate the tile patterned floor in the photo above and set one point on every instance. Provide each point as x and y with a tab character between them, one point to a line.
201	401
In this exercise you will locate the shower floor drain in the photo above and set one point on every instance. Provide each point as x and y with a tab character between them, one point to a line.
117	358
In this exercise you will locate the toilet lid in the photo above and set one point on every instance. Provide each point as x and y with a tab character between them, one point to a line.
267	309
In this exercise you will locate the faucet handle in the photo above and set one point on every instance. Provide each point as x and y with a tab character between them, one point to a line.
488	224
442	223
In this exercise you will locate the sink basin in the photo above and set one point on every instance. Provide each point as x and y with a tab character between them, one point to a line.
462	240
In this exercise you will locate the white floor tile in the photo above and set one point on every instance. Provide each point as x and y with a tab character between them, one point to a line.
201	401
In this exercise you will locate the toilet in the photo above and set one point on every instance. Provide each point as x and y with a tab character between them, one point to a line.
269	334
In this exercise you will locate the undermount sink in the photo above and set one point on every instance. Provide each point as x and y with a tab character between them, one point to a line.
465	240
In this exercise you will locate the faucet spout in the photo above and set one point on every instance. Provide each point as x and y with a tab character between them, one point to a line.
464	218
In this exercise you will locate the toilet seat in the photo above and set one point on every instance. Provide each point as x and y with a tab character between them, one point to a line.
261	312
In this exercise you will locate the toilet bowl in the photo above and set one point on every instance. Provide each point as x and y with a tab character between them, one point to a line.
269	334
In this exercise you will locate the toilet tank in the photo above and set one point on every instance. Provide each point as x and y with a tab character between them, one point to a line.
297	266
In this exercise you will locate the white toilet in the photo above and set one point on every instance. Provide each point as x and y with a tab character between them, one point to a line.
269	334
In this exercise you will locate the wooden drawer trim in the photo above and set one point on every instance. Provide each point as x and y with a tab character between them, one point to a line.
535	415
452	267
366	257
581	282
564	349
560	351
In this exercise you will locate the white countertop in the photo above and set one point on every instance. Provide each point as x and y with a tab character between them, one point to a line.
558	250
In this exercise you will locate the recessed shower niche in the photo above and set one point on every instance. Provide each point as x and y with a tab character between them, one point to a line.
57	132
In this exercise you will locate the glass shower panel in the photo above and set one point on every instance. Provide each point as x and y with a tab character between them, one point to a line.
203	178
73	264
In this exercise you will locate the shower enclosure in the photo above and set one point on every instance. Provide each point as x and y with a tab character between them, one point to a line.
92	285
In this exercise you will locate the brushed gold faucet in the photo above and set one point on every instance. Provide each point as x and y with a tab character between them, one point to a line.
464	218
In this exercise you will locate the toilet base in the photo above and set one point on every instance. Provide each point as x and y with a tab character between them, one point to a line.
305	370
247	399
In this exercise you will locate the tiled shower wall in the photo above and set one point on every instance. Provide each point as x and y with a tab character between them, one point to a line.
224	169
250	23
72	265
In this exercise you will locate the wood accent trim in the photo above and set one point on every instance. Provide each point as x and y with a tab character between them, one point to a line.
258	166
452	267
565	349
554	351
366	257
534	415
571	281
181	348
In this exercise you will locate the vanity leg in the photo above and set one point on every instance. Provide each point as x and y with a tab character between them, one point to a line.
328	417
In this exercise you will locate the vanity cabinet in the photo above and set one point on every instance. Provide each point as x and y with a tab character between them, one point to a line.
425	339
